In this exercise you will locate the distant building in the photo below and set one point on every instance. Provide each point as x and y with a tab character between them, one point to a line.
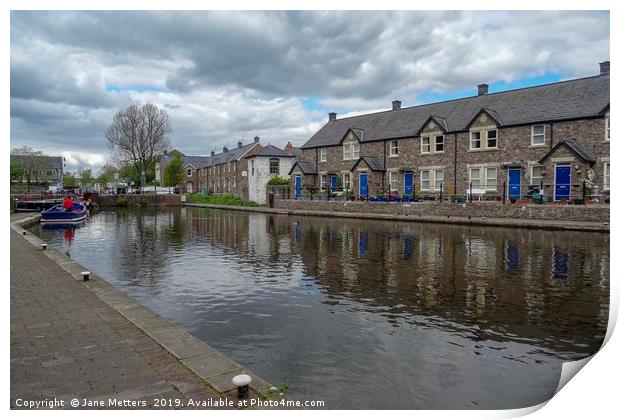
40	171
263	165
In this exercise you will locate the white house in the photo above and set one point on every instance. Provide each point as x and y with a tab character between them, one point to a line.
262	166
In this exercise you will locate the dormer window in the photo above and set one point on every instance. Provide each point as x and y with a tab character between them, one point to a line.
538	135
492	139
393	148
483	139
350	151
439	143
432	144
475	140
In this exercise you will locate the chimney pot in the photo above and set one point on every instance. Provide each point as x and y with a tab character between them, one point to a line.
604	67
256	139
289	148
224	149
395	105
483	89
239	144
332	116
212	153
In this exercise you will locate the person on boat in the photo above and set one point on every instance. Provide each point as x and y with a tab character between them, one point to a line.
68	203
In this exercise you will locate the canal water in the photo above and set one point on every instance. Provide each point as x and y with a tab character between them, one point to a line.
364	314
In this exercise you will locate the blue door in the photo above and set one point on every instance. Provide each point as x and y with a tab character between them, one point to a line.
334	182
562	182
409	183
297	187
514	183
363	184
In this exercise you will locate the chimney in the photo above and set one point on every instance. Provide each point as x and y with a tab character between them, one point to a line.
225	149
483	89
212	153
604	67
289	149
256	139
239	144
165	153
395	105
332	116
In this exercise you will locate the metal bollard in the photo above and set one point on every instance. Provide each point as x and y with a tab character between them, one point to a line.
242	382
85	275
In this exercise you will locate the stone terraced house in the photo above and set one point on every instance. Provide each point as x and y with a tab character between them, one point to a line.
551	136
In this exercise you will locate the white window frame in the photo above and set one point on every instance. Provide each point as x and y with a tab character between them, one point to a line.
393	181
323	154
346	180
423	145
486	136
536	180
483	177
424	179
606	176
350	151
443	143
607	128
393	148
471	140
534	135
274	160
323	182
432	180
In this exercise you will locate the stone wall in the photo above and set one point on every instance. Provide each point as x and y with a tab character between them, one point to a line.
593	213
138	199
514	148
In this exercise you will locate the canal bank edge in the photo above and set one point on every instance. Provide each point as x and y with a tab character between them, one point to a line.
213	367
341	210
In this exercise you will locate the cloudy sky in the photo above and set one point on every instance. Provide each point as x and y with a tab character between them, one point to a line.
226	76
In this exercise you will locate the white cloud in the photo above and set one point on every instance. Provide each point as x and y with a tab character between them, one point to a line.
223	76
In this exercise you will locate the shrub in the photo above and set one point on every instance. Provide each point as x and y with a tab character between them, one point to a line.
278	180
226	200
121	202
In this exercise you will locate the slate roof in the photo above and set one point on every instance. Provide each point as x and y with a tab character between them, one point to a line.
576	147
374	163
270	151
578	98
308	168
42	162
202	161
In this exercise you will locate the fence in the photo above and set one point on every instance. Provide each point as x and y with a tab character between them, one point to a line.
582	192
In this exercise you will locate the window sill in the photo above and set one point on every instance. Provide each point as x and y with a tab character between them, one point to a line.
393	156
537	146
489	149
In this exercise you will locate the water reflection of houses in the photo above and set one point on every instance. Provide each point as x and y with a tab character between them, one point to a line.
485	283
519	282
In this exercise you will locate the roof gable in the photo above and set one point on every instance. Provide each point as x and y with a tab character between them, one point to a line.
307	168
484	117
433	123
373	163
574	146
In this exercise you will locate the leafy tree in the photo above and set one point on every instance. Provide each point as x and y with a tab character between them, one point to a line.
129	172
138	135
104	179
86	178
173	172
31	162
69	180
278	180
17	173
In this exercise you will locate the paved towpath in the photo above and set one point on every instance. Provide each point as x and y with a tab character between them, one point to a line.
67	343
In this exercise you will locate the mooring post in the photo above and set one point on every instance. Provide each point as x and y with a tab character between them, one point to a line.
242	382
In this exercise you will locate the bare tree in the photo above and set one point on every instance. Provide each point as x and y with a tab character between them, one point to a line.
139	135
